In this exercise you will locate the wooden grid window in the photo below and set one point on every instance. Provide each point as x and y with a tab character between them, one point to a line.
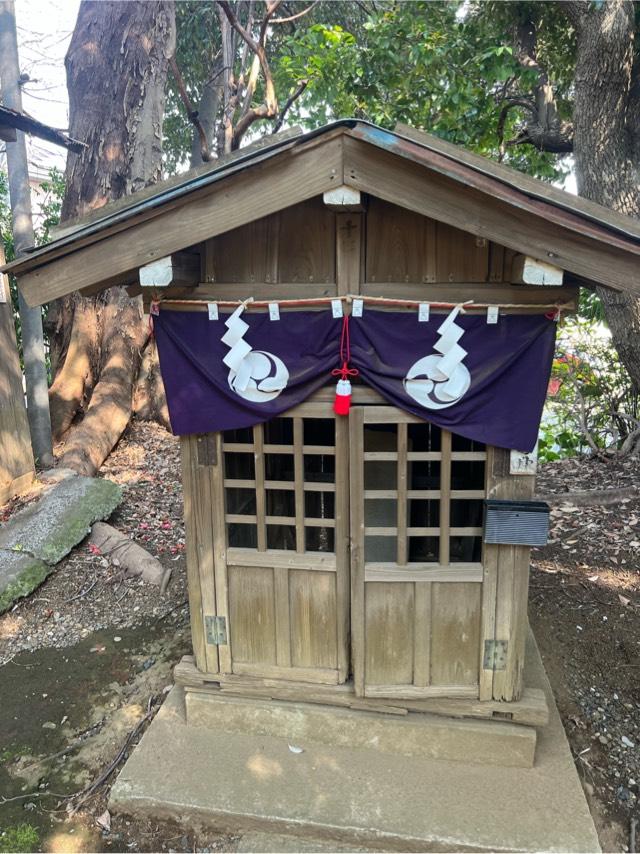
423	490
279	481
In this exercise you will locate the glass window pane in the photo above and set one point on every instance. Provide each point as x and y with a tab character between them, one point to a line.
466	514
281	502
424	513
319	505
241	501
424	474
319	539
239	466
319	431
279	431
380	549
319	468
380	475
459	443
278	467
243	435
242	536
465	549
424	437
467	474
424	549
381	437
380	512
281	537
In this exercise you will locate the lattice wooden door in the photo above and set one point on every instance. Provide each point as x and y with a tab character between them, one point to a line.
416	556
284	486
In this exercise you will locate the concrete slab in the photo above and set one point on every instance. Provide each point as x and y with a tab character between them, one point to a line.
429	736
19	574
361	797
45	531
259	842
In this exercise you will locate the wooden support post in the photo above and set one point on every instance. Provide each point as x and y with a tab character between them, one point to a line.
505	589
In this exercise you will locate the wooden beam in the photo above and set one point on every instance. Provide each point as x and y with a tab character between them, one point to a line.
411	185
531	271
12	119
257	191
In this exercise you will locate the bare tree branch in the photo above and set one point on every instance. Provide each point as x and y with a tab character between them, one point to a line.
296	16
288	104
268	109
192	114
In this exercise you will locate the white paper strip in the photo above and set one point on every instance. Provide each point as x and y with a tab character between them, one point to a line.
212	308
492	314
236	354
274	311
423	312
336	307
357	308
450	361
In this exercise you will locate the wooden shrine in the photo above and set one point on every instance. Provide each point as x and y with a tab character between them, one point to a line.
332	560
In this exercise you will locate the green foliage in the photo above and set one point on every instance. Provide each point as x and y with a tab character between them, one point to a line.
443	66
22	837
592	404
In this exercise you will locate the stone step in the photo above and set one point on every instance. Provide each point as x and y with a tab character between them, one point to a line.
428	736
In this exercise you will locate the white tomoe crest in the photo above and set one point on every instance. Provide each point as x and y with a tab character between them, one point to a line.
253	374
438	381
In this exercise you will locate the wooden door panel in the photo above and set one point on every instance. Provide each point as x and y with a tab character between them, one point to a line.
416	556
389	626
285	543
252	614
455	633
313	608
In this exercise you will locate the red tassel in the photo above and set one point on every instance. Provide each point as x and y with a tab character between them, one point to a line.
342	403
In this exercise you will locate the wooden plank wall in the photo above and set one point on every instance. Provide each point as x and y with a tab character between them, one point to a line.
306	250
16	456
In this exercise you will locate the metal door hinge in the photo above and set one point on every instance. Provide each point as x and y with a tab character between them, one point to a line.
216	630
495	655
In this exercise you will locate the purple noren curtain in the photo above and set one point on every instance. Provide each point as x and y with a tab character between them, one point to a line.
484	381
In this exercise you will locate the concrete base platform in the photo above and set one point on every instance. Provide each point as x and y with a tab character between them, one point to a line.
355	797
429	736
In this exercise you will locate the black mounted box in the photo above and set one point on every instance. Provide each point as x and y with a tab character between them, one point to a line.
517	523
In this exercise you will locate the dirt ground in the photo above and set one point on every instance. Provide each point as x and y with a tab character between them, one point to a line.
86	659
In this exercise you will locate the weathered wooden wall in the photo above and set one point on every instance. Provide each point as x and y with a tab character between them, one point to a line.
304	251
16	457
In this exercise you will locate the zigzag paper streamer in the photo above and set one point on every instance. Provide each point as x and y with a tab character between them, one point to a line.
254	375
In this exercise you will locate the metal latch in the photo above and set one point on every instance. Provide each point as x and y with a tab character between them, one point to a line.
495	655
216	630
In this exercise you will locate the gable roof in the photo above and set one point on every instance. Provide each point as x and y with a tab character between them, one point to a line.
406	167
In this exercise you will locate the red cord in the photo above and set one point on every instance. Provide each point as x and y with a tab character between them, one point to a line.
345	353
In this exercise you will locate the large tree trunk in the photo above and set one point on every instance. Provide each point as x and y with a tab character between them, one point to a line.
607	139
116	75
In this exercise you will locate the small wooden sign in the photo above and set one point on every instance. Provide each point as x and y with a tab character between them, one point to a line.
521	463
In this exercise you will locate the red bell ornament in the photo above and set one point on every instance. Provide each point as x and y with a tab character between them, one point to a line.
342	403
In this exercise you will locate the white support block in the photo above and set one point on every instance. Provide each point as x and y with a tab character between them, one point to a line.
531	271
158	274
343	198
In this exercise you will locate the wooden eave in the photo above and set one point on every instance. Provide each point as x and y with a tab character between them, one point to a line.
458	188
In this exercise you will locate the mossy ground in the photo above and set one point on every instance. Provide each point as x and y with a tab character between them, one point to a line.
22	837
